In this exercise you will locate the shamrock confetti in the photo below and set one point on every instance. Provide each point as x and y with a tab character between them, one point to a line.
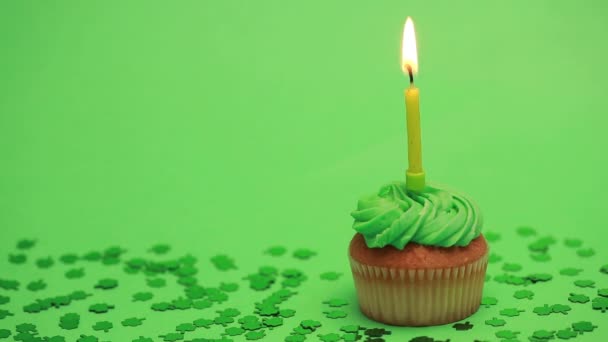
543	310
578	298
132	322
570	271
303	254
335	314
330	276
463	326
583	326
526	231
600	303
276	251
26	244
103	326
585	252
566	334
223	262
510	312
523	294
495	322
489	301
584	283
573	243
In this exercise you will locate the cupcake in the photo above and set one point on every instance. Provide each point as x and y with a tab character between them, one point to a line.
418	258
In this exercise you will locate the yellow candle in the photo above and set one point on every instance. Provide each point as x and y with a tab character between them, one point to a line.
414	175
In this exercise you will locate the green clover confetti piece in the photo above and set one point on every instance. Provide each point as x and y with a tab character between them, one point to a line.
142	296
491	236
310	324
302	331
26	243
295	338
132	322
539	277
286	313
510	312
143	339
251	326
604	269
573	243
203	323
69	321
331	337
330	276
156	282
494	258
229	287
377	332
560	308
507	334
4	299
511	267
543	310
602	292
160	249
463	326
495	322
350	337
578	298
36	285
92	256
334	314
4	314
185	327
570	271
585	252
303	253
75	273
223	262
600	303
55	339
106	284
489	301
229	312
202	304
100	308
350	328
172	337
255	335
45	262
234	331
182	303
104	326
4	333
79	295
543	334
566	334
273	322
521	294
68	259
336	302
17	259
87	338
525	231
223	320
540	257
7	284
583	326
276	251
25	328
584	283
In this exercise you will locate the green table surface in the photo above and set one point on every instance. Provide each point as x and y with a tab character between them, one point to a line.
227	127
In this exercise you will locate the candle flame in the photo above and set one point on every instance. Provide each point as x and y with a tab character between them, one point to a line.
409	53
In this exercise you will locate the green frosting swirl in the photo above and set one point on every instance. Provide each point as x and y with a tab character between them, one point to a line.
432	217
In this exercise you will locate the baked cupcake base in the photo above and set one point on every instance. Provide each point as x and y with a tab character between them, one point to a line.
419	285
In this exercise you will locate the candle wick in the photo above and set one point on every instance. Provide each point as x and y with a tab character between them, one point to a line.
410	73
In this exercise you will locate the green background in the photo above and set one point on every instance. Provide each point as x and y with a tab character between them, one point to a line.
230	126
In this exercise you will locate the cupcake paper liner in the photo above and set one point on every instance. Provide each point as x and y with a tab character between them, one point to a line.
419	297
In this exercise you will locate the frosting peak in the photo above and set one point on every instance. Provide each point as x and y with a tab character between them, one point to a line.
435	217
